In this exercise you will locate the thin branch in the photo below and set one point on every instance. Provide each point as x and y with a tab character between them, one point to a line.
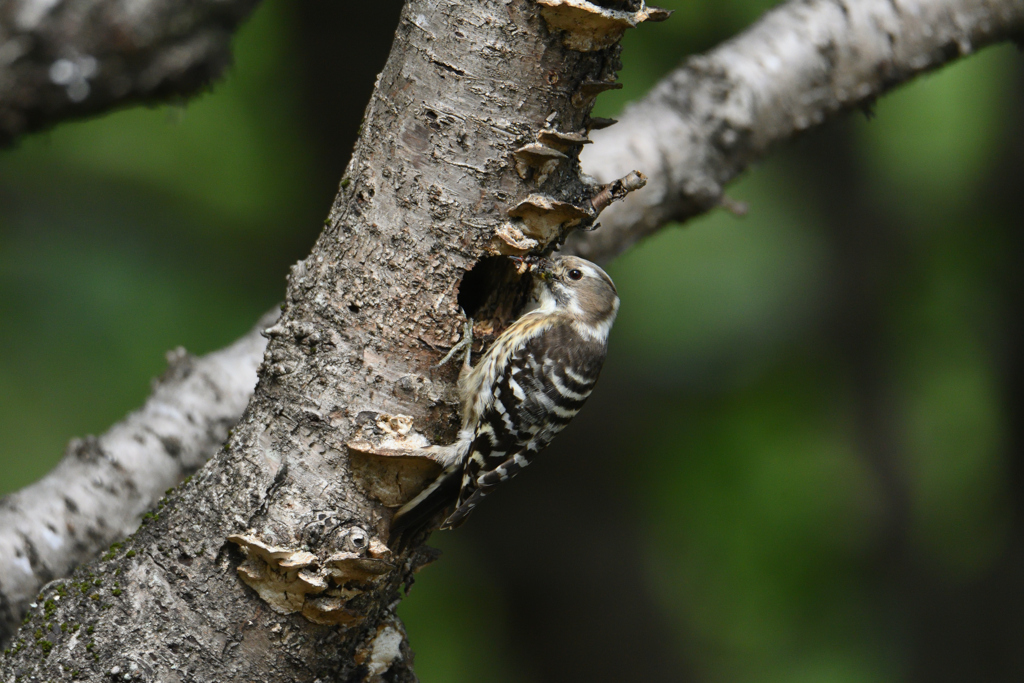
67	59
797	67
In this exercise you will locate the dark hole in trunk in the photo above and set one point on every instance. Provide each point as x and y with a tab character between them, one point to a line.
493	293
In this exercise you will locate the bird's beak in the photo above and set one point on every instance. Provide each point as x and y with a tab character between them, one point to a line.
537	265
542	267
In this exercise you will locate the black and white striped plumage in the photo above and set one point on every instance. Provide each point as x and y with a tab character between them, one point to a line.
529	384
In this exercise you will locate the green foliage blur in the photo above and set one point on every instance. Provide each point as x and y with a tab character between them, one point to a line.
780	414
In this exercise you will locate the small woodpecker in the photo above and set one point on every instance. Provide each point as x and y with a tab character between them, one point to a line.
525	389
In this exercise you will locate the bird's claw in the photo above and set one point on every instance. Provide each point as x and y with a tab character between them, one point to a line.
465	343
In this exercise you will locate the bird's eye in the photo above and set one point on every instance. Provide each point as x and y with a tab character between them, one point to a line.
575	274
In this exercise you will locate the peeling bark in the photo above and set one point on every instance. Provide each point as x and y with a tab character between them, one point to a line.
272	563
679	149
64	59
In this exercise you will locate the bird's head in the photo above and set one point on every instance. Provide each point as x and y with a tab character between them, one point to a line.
575	287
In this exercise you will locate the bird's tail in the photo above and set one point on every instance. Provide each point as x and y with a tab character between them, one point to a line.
417	516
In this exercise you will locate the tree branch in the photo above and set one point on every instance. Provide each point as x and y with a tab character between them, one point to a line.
67	59
99	491
797	67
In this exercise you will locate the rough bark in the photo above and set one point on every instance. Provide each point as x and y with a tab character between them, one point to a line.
68	59
272	562
100	490
800	65
680	136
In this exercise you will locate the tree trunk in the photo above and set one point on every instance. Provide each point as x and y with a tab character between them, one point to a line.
272	562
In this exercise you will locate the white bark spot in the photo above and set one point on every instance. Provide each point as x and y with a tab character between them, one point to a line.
23	564
386	649
55	541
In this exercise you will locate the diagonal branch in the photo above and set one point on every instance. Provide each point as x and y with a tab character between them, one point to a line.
99	491
800	65
62	60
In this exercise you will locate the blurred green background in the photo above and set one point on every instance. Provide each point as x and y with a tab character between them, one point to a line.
804	463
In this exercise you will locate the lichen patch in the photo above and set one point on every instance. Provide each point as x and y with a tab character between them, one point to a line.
386	648
379	652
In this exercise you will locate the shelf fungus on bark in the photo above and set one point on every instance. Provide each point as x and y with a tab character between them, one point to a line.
510	241
589	90
599	123
587	27
546	219
538	158
387	460
563	142
293	580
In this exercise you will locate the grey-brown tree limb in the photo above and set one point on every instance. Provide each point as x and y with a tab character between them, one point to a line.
798	66
100	490
61	60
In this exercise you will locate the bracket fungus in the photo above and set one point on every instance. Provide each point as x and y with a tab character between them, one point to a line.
562	141
293	580
510	241
546	218
588	27
589	90
391	463
542	158
599	123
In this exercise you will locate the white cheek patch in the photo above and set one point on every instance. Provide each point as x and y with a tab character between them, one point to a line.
574	307
544	300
